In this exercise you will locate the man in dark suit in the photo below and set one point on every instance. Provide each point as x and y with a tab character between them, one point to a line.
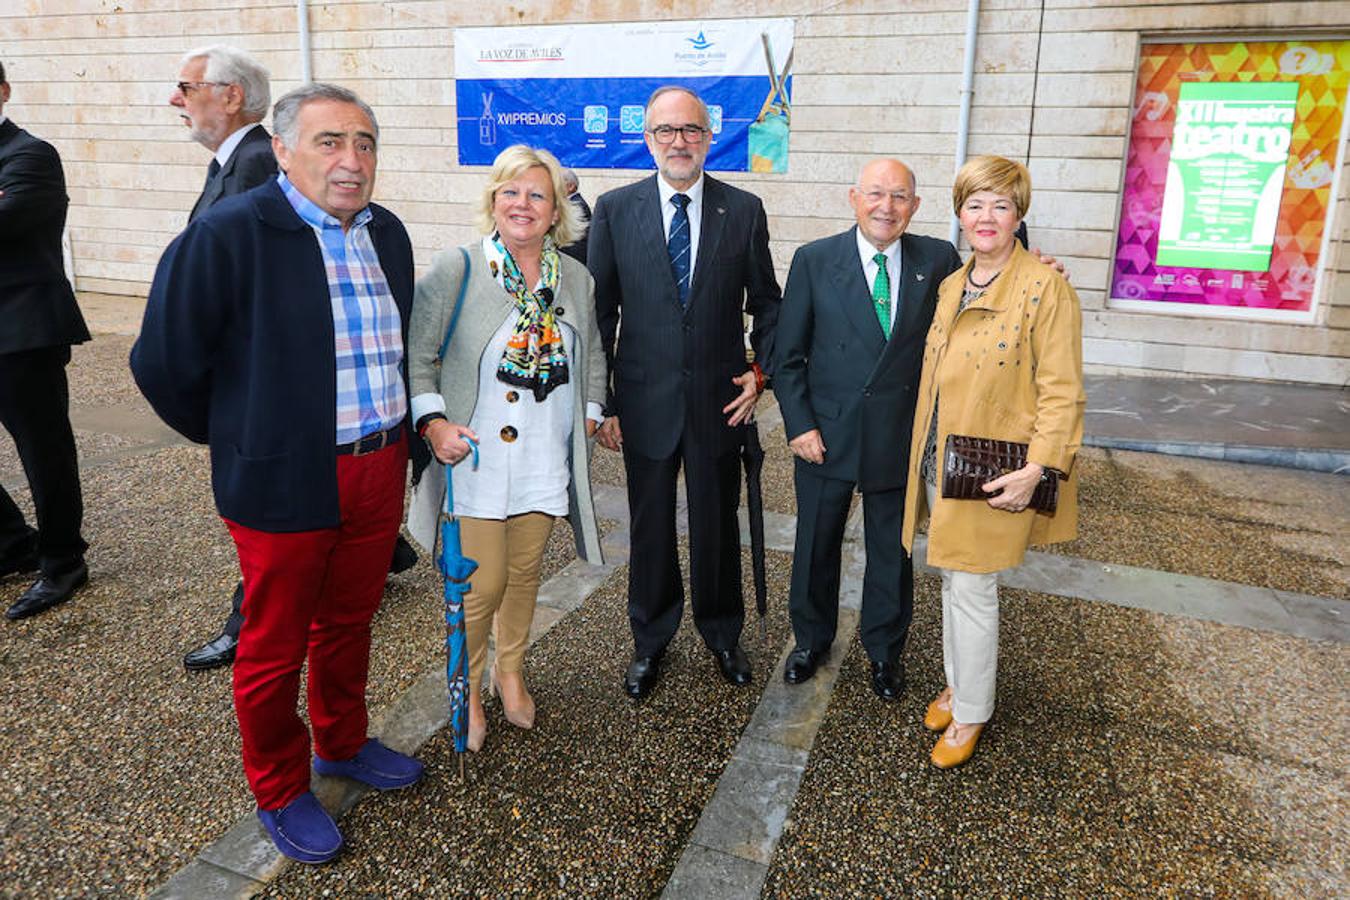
39	321
222	95
680	258
249	346
848	354
577	249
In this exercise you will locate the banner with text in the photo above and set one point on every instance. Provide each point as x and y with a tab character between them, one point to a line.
1230	177
579	91
1226	174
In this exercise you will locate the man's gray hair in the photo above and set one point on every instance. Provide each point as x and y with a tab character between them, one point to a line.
286	114
230	65
670	88
570	179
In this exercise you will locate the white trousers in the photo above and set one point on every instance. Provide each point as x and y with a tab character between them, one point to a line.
969	638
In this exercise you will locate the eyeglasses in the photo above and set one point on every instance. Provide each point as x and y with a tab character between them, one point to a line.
665	134
187	87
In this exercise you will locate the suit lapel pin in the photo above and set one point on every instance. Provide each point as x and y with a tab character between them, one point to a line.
918	276
721	211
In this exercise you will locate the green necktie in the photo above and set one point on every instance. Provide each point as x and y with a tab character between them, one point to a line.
881	294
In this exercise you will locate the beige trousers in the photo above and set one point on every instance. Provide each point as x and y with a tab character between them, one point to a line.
969	637
504	587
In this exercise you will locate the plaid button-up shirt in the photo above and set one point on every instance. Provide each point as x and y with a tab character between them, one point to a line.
366	325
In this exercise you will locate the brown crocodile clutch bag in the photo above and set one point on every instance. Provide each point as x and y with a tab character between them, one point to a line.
969	462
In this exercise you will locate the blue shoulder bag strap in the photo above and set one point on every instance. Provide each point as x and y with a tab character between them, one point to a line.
459	303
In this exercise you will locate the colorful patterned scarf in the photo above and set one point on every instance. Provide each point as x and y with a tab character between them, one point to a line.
535	357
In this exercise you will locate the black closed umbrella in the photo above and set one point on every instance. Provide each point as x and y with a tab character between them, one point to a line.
752	457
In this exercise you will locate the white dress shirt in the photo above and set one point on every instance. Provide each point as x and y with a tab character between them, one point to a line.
227	146
870	268
694	209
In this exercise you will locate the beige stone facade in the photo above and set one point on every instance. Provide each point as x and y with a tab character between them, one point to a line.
1054	86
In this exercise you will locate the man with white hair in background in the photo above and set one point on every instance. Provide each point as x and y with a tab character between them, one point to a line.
222	95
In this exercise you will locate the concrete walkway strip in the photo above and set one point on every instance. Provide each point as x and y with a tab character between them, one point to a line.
1244	605
729	852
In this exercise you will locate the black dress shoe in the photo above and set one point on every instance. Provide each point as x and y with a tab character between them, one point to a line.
212	654
888	680
801	665
405	557
734	665
48	591
641	676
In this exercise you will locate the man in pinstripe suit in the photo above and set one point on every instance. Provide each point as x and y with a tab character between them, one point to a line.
679	258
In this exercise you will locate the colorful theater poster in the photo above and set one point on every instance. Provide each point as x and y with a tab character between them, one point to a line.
1226	175
580	90
1230	176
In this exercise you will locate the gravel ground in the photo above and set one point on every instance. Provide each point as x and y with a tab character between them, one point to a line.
99	374
1125	759
1258	525
598	800
119	766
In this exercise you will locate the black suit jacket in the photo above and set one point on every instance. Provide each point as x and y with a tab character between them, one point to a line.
251	163
672	367
835	371
37	305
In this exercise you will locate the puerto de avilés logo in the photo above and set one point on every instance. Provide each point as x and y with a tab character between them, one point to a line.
700	42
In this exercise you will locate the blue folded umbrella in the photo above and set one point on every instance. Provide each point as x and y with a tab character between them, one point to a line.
455	569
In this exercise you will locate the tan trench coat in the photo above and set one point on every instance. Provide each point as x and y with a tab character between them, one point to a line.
1010	366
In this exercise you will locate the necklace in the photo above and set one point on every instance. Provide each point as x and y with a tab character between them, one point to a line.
970	276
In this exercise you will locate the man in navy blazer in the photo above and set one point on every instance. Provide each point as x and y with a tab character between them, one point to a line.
274	333
848	354
39	321
674	332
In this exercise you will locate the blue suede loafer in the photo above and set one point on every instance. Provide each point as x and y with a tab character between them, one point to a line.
375	765
303	830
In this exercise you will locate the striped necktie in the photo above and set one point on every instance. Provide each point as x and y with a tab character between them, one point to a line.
678	246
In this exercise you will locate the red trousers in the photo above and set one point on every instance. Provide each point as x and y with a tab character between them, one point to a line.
312	594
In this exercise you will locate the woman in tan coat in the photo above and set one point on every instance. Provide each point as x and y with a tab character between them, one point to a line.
1003	360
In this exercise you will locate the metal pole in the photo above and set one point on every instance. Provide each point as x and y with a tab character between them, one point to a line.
302	21
967	97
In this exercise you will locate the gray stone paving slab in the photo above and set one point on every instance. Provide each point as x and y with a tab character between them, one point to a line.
788	715
417	714
704	874
747	812
247	851
202	879
1217	411
569	588
1300	615
1292	425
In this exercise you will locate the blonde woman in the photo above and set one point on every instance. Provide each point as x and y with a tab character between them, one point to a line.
1003	360
524	375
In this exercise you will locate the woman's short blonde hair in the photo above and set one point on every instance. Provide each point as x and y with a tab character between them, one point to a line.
993	173
508	166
